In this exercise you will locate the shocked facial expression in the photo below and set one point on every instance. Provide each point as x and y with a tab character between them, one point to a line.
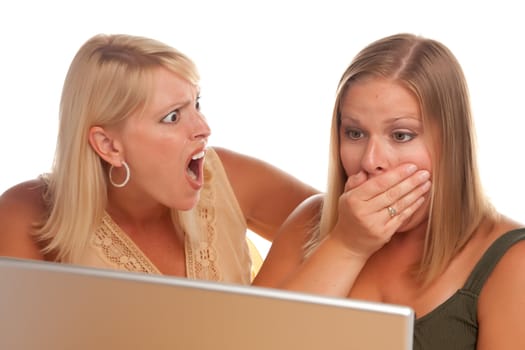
164	144
381	128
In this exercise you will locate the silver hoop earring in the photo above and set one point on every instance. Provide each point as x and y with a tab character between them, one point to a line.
122	184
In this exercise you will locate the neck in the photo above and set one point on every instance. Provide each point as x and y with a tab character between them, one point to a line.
137	211
411	242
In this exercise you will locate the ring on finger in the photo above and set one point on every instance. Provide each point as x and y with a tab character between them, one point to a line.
391	211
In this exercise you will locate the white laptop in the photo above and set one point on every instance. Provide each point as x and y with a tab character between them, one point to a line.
55	306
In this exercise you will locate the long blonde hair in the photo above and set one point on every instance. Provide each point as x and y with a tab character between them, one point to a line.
431	72
108	79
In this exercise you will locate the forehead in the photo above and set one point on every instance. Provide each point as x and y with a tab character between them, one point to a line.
379	96
167	91
167	86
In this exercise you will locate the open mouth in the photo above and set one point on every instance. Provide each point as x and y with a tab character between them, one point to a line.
195	166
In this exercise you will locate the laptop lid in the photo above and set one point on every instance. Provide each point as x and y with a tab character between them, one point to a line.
46	305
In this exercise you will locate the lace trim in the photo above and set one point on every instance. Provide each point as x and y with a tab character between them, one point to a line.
116	247
202	255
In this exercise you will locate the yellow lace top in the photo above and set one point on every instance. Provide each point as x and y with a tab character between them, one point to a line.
215	236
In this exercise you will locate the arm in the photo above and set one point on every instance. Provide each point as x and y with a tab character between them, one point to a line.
266	194
330	270
286	253
363	228
20	206
501	304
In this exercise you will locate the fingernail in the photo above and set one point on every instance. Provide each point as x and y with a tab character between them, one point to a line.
411	168
424	175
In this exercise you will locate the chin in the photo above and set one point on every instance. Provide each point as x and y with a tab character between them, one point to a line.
187	204
414	222
418	219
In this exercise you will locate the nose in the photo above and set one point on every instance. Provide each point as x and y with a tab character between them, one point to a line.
200	128
376	159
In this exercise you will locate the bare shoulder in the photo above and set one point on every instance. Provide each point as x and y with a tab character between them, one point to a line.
24	196
287	250
308	210
297	228
513	260
500	310
20	207
512	263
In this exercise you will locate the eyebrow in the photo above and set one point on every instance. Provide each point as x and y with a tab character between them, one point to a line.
391	120
177	105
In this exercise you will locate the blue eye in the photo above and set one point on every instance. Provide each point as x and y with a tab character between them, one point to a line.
171	117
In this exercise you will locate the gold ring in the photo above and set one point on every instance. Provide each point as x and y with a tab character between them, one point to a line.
391	211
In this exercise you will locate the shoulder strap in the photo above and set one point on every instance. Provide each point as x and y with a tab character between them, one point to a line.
490	259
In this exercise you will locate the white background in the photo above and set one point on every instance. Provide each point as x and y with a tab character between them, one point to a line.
269	72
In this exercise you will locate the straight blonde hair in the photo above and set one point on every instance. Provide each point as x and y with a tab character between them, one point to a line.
431	72
109	79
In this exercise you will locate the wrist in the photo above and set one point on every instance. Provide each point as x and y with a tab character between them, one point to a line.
341	248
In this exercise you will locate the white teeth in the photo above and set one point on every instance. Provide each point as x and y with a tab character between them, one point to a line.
198	155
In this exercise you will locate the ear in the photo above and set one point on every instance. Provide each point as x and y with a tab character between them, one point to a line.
105	145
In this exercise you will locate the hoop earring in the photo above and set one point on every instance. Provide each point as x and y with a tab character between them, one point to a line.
122	184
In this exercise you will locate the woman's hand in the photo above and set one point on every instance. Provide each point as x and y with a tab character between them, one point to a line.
364	225
371	210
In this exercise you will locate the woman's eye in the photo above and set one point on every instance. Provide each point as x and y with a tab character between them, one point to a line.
402	136
171	117
198	103
354	134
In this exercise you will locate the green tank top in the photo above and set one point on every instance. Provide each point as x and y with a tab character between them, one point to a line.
454	324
